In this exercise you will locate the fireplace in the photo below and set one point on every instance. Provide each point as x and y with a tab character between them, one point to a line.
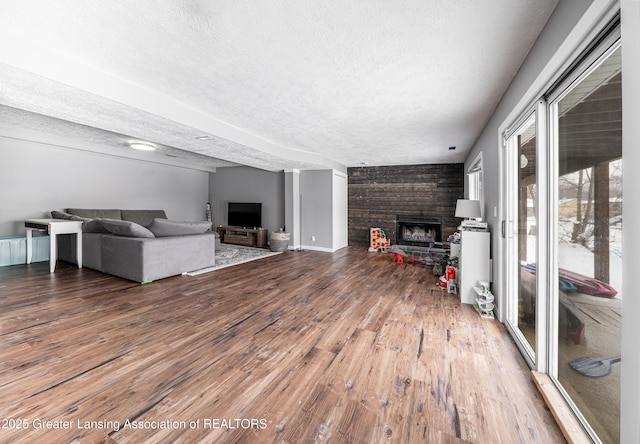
418	230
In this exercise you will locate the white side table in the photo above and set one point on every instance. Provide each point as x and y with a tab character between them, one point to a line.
54	227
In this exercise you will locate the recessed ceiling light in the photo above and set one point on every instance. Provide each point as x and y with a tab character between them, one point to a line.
204	137
142	146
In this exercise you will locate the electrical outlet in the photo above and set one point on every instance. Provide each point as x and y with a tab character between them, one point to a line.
313	238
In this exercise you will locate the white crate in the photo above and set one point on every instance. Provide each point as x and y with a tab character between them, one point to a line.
13	250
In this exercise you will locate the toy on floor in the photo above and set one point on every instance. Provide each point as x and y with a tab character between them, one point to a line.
378	240
484	300
451	280
398	254
447	277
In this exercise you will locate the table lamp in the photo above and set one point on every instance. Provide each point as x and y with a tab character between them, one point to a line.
469	209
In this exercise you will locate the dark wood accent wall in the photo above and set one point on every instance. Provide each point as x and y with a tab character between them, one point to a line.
378	194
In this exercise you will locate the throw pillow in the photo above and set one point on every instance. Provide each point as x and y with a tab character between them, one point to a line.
142	217
95	213
66	216
60	215
125	228
94	226
164	227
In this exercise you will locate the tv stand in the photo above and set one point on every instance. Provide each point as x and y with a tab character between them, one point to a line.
250	237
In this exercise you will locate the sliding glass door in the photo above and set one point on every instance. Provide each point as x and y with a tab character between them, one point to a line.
521	228
562	184
587	122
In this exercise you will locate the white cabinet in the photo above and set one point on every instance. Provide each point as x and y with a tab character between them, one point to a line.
474	264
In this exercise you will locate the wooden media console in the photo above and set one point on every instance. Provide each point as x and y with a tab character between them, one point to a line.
251	237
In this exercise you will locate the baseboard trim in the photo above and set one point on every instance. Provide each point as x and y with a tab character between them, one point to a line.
311	247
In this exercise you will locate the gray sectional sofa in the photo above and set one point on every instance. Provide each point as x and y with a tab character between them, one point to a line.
139	245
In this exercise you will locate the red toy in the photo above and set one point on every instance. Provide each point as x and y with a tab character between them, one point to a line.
398	255
451	273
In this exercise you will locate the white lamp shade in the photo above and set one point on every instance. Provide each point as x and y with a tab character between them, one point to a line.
468	208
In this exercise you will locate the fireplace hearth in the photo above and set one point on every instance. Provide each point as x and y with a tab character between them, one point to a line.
418	230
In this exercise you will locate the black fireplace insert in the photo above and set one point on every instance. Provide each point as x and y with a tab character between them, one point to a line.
418	230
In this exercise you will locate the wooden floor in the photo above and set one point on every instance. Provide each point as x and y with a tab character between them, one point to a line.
299	347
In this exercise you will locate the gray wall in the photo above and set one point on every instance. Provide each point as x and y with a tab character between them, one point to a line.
316	189
560	24
246	184
36	178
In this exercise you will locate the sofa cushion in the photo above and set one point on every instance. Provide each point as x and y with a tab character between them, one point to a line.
93	213
125	228
164	227
142	217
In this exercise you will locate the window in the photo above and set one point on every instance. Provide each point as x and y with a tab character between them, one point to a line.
476	191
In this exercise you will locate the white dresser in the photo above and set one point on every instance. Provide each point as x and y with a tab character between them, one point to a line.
474	264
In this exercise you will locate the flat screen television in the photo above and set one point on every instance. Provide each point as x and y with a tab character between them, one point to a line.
244	214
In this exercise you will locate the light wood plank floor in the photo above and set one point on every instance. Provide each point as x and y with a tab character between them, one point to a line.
294	348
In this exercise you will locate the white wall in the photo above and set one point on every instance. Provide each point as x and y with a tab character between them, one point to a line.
36	178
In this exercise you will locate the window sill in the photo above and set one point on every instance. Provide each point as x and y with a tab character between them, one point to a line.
568	423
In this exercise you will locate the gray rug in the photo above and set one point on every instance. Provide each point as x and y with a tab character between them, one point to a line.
228	255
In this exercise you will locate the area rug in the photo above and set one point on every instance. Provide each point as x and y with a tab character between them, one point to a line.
228	255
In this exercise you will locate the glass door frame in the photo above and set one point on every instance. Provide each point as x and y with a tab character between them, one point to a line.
536	355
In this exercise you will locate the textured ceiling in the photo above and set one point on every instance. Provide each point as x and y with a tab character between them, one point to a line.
277	85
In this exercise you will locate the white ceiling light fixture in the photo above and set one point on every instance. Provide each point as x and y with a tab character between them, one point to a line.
142	146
